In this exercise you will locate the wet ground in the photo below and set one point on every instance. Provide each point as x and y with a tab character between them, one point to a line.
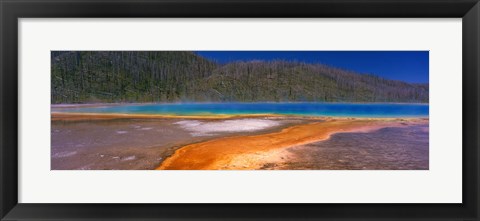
142	144
139	144
394	148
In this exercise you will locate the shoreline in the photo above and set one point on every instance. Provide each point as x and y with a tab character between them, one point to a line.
82	105
252	151
70	116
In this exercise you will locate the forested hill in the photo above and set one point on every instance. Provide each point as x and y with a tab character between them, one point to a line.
88	77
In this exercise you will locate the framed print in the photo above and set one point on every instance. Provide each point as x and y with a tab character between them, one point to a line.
103	118
226	110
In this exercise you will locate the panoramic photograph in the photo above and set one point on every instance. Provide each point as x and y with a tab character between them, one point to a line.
239	110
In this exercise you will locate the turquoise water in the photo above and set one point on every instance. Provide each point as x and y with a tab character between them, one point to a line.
303	109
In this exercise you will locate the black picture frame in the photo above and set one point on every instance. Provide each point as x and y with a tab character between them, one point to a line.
12	10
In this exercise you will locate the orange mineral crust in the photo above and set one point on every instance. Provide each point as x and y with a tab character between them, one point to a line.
247	152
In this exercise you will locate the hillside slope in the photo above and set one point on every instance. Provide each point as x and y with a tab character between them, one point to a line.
85	77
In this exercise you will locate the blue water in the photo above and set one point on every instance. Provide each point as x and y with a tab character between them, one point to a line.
303	109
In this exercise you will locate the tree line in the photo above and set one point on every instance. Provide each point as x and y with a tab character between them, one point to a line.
181	76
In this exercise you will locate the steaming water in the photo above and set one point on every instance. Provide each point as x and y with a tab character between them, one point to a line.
303	109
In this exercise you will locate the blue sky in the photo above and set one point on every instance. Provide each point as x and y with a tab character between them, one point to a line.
409	66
